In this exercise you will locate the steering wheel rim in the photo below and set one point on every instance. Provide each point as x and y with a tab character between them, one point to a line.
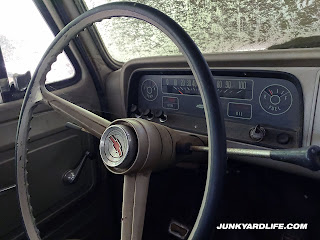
200	69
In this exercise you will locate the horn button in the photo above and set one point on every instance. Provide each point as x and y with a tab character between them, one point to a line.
136	145
118	146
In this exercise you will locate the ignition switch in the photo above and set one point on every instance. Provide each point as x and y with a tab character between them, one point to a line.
257	133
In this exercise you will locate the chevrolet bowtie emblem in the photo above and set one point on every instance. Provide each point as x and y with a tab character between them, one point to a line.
116	145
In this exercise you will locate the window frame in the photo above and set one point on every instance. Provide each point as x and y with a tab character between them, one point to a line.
63	83
95	35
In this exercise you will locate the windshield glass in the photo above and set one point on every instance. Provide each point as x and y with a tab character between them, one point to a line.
215	26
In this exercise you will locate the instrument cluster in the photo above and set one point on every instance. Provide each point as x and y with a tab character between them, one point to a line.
259	107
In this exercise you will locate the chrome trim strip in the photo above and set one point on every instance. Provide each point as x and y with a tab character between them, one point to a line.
7	188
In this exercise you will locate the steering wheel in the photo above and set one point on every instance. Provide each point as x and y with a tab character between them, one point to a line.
131	147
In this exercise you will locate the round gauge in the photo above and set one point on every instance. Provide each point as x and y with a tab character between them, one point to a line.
275	99
149	90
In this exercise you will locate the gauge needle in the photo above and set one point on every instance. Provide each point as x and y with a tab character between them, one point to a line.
180	92
269	92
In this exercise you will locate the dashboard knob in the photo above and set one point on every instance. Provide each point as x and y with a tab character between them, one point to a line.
163	118
148	114
161	115
283	138
158	113
133	108
257	133
145	112
137	113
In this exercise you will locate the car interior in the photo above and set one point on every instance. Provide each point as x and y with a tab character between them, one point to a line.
160	120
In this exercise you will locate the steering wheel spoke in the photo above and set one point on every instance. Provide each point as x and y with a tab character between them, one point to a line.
91	122
135	192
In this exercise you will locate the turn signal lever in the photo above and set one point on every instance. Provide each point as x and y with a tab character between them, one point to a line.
307	157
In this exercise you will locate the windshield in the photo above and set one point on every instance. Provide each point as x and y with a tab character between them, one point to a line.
215	26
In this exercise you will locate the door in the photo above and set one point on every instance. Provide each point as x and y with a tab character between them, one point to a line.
54	149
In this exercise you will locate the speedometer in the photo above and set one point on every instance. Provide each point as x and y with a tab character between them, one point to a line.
275	99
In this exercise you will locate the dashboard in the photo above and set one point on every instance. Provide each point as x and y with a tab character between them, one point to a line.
262	108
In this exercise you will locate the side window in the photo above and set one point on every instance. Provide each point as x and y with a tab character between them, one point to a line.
24	37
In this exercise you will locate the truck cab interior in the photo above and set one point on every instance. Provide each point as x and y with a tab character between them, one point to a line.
160	120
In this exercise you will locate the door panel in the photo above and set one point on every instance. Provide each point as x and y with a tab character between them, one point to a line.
53	150
53	123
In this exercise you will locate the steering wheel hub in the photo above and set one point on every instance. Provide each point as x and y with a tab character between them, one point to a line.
118	146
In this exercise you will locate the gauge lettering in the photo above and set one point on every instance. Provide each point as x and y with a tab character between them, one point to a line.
275	99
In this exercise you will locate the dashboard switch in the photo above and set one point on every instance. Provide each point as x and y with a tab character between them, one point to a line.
133	108
161	115
145	112
148	114
163	118
257	133
137	113
158	113
283	138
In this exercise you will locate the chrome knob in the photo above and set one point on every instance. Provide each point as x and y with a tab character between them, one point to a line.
257	133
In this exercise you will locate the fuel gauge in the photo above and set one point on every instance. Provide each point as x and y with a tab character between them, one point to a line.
275	99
